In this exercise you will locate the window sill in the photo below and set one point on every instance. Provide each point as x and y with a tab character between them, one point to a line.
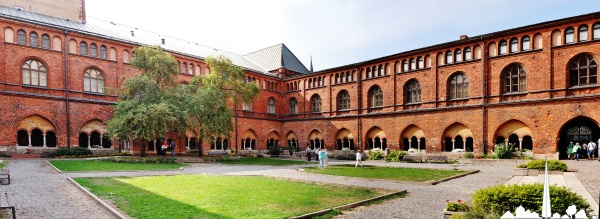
94	93
515	93
584	86
34	86
413	104
459	99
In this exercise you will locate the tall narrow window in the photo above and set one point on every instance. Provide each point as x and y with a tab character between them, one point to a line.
459	86
83	48
103	52
583	71
404	66
381	71
583	33
569	35
93	50
348	77
596	33
93	81
420	63
271	106
413	92
468	55
502	47
45	41
184	68
21	37
34	73
525	44
413	64
33	39
376	96
316	104
514	45
247	106
515	79
458	56
448	57
344	100
293	106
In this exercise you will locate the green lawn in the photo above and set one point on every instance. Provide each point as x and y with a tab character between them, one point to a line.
394	173
210	196
104	165
266	161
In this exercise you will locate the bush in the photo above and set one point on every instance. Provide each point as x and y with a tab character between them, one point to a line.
395	156
500	199
501	151
375	155
274	150
457	206
469	155
541	165
74	151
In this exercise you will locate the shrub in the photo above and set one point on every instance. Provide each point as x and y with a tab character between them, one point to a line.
74	151
227	159
375	155
457	206
274	150
502	198
541	164
456	216
395	156
502	151
469	155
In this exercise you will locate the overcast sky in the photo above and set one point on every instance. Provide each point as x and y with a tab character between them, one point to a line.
334	32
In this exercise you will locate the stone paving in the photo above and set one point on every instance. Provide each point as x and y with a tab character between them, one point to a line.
40	191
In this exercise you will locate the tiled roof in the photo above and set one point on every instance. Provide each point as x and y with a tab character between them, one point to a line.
275	57
261	62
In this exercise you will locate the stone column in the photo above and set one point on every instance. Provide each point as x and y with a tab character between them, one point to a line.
188	142
101	145
521	144
44	140
29	134
409	144
419	144
89	141
453	141
465	144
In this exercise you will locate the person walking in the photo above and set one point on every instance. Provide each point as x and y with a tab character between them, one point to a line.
322	157
308	153
358	159
591	149
570	151
576	150
172	147
163	148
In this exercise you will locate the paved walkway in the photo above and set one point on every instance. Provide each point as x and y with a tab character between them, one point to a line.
41	192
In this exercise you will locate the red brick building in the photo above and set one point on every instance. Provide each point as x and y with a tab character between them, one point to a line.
535	87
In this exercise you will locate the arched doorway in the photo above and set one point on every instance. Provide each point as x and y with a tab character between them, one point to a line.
413	137
580	130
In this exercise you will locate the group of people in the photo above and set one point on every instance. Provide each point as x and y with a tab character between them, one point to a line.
166	146
574	151
321	156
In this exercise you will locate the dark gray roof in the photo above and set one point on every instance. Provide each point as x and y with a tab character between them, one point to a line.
119	32
275	57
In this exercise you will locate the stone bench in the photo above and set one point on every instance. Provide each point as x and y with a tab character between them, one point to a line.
5	176
6	203
412	158
437	158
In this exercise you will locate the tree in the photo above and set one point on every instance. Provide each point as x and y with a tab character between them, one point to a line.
209	116
149	104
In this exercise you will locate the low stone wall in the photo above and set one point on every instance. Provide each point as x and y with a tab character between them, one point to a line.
498	162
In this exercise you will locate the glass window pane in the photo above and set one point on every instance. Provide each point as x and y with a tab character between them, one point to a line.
26	75
43	79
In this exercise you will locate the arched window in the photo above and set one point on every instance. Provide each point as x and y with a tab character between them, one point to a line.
525	45
348	77
374	72
413	92
404	66
569	32
514	45
271	106
21	37
191	69
583	33
293	106
316	104
458	55
583	71
34	73
420	63
83	48
413	64
502	47
45	41
184	68
468	55
515	79
103	52
381	71
33	39
376	96
93	81
596	33
337	78
368	74
93	50
459	86
247	106
344	100
448	57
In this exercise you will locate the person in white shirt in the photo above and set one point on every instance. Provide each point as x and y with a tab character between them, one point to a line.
591	150
358	159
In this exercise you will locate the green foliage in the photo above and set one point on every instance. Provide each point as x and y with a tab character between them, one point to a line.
74	151
457	206
334	212
375	155
395	156
456	216
501	151
541	165
469	155
478	214
274	150
502	198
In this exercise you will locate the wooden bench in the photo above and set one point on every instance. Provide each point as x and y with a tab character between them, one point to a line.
437	158
6	203
5	176
412	158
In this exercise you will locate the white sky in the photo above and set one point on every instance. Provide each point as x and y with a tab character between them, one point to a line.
334	32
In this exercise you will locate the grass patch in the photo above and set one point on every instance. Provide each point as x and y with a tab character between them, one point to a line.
3	164
264	161
209	196
393	173
104	165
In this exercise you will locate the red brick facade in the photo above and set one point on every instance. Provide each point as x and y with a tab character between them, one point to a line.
538	111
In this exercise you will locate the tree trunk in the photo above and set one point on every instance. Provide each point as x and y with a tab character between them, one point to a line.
199	147
143	148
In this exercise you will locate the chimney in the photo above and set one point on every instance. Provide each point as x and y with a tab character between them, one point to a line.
462	37
162	41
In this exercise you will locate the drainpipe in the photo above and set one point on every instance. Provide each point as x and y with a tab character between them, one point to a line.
67	110
483	97
358	102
